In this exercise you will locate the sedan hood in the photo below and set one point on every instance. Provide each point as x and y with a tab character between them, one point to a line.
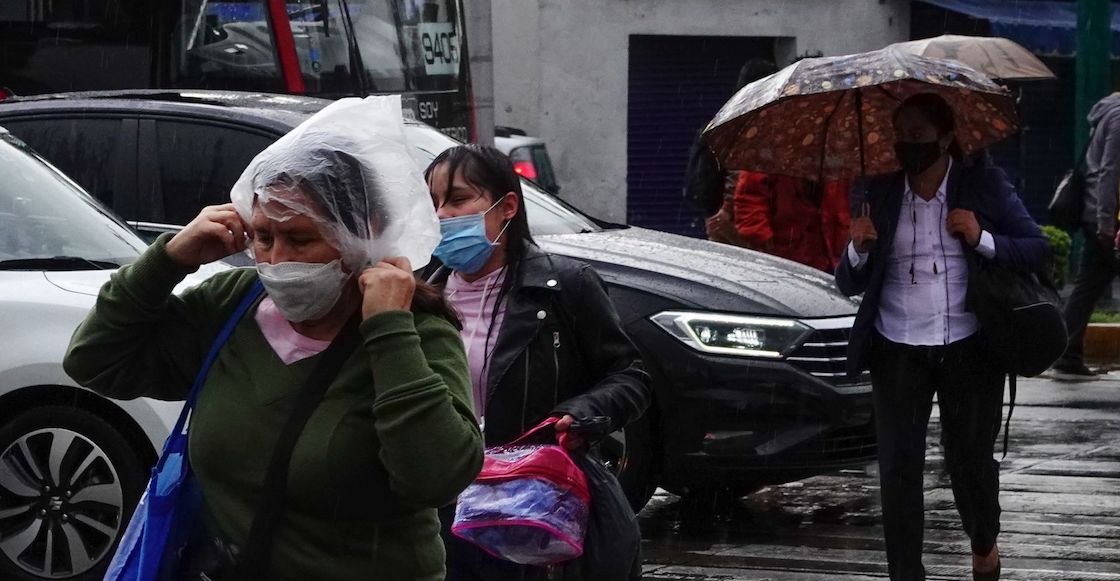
89	282
82	282
706	275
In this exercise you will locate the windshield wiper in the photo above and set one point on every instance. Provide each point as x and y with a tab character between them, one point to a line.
57	263
358	74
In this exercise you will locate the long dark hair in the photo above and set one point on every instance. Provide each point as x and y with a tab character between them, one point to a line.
491	171
428	299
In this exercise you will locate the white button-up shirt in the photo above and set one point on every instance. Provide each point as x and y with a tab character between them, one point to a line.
923	298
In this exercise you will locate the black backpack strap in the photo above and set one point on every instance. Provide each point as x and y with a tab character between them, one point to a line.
1010	409
257	552
704	179
1082	159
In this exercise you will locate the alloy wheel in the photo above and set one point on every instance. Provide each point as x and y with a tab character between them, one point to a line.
612	451
61	503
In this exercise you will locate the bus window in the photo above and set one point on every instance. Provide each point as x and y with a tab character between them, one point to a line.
330	48
409	45
403	45
223	45
379	44
78	45
323	47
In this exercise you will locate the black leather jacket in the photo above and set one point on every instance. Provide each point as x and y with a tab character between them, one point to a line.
561	350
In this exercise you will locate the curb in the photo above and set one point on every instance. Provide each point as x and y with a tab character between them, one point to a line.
1102	342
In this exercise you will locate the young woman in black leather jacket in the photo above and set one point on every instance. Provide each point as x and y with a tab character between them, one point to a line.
542	336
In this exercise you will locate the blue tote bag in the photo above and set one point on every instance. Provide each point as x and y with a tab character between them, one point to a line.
165	518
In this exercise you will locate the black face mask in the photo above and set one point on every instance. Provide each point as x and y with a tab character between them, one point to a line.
916	157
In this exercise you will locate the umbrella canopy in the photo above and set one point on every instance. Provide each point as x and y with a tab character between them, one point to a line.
831	118
999	58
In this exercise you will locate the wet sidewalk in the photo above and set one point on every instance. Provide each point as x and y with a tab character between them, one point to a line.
1060	493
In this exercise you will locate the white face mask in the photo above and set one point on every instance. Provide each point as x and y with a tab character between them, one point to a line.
303	291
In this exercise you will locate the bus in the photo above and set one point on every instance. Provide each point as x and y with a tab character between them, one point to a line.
321	48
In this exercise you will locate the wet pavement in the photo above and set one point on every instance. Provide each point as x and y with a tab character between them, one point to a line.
1060	493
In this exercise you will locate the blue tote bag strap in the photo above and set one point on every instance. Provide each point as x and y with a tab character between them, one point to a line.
170	498
223	336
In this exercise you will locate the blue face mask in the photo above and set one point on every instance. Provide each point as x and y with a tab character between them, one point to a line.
463	246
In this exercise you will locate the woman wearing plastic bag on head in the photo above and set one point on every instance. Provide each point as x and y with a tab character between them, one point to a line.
334	214
542	337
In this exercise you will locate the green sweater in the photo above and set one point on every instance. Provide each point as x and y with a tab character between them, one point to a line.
394	436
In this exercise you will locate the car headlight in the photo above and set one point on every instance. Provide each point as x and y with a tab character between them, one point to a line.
734	334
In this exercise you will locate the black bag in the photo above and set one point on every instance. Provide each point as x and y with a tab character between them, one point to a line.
1021	318
612	547
704	181
1020	314
1069	197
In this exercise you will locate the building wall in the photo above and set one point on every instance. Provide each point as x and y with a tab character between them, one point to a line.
481	50
561	67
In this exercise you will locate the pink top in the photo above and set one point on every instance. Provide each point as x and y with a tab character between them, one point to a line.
474	301
289	345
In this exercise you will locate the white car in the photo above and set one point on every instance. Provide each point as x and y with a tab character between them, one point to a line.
72	463
529	156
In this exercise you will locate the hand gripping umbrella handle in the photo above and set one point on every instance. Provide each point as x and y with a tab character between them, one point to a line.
862	162
860	193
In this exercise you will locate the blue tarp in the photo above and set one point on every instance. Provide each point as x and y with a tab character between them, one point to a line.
1044	28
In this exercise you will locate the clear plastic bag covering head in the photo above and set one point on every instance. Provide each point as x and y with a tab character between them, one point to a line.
349	169
529	505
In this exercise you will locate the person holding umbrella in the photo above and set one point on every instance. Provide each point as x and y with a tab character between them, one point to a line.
934	208
908	258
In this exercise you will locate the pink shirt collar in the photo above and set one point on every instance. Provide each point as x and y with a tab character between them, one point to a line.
288	344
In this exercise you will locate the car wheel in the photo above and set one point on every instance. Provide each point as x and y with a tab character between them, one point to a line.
629	455
68	485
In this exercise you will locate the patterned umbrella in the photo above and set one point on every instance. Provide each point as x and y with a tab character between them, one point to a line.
996	57
830	118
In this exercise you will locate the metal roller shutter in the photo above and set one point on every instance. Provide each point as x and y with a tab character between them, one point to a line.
677	83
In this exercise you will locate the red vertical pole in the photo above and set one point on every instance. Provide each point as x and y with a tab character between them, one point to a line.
285	47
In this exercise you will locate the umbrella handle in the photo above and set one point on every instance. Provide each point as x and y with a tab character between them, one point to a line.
859	129
864	209
860	203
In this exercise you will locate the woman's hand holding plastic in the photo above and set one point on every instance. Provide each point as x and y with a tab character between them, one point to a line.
571	441
214	234
387	286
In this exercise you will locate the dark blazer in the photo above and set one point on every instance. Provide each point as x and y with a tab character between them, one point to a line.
561	350
977	186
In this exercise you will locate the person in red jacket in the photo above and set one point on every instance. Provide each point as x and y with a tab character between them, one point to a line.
793	218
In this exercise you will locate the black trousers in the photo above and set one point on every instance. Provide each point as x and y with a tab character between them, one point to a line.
970	396
1093	277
